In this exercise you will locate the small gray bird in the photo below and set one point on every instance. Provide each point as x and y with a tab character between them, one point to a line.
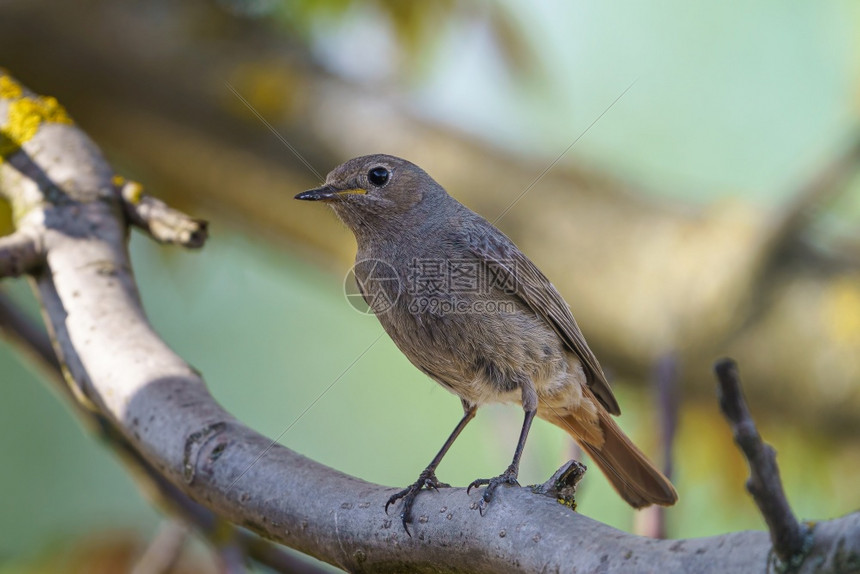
467	308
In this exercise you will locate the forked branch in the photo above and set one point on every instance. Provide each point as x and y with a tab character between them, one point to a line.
791	540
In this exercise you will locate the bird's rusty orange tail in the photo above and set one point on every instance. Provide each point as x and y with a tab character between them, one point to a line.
628	470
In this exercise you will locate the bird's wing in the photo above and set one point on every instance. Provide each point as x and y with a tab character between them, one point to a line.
515	273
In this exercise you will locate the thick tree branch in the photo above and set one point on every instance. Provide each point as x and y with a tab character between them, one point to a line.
32	341
163	410
791	540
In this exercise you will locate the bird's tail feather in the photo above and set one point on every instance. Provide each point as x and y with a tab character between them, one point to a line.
635	478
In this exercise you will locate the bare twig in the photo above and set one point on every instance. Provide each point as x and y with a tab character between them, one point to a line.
19	253
163	553
161	222
231	559
651	521
668	401
30	339
791	541
268	554
562	484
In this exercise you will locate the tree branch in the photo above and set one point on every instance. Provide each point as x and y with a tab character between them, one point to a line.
30	340
162	408
164	551
791	541
19	253
822	186
651	521
35	343
162	223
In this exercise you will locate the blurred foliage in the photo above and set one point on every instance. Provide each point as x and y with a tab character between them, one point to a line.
99	552
414	23
417	27
837	230
5	217
757	100
104	552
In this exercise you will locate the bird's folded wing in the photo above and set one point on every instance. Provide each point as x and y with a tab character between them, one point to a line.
529	284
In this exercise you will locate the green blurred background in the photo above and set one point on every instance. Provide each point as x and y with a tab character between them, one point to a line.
730	103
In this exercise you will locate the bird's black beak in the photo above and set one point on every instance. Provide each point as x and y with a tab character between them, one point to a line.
328	193
318	194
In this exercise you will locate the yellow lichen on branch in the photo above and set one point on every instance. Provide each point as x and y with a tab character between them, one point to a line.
25	115
131	191
9	88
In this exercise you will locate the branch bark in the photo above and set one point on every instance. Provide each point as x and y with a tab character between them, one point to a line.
790	539
62	189
156	219
19	253
16	327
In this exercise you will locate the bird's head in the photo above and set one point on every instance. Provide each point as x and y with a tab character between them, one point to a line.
373	191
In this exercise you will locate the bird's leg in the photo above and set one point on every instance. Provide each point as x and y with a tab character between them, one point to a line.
510	474
427	478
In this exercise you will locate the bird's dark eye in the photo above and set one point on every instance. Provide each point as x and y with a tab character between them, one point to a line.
378	176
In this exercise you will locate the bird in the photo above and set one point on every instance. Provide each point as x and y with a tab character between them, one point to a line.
477	316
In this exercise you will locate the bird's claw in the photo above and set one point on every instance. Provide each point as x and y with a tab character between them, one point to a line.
507	477
426	479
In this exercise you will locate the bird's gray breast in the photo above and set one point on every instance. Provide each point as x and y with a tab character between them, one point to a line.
443	310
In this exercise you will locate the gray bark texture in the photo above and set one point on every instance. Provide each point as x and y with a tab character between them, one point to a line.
72	215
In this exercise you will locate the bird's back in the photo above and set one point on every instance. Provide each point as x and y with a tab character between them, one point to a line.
456	315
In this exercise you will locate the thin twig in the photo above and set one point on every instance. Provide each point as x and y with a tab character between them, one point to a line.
791	541
29	337
668	402
231	559
20	253
651	521
158	220
163	553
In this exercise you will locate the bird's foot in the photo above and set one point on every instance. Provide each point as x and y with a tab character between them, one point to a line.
427	479
507	477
